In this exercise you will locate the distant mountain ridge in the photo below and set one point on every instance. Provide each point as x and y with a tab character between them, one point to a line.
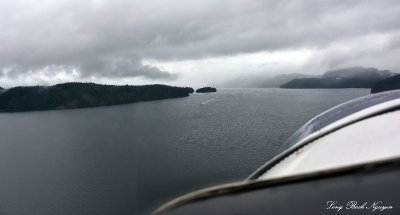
358	73
263	81
353	77
279	80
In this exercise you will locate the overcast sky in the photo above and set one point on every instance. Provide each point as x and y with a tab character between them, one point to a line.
190	43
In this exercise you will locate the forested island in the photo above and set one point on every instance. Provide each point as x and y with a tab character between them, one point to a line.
206	90
82	95
392	83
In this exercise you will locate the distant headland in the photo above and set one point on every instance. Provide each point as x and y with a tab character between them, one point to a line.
206	90
82	95
350	77
354	77
392	83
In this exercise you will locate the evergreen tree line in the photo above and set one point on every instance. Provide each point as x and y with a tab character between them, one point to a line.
206	90
80	95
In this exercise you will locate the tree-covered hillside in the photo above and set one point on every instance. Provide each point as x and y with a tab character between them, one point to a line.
80	95
392	83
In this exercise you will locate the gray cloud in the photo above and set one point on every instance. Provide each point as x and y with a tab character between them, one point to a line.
111	38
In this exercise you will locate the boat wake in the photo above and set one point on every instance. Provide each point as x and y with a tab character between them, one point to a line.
208	101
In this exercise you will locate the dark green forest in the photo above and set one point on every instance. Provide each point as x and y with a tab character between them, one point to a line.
392	83
81	95
206	90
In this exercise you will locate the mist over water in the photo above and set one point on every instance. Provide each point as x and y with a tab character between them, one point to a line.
129	159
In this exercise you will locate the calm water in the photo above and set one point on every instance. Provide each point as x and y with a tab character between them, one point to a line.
128	159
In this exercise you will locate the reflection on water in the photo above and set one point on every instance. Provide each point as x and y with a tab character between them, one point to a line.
128	159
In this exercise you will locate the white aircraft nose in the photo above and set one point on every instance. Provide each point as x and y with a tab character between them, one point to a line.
369	140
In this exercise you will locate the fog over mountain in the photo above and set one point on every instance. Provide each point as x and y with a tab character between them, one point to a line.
353	77
191	42
262	81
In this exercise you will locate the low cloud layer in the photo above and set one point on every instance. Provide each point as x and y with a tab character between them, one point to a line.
113	38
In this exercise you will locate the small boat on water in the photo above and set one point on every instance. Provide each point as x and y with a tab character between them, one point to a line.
345	160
